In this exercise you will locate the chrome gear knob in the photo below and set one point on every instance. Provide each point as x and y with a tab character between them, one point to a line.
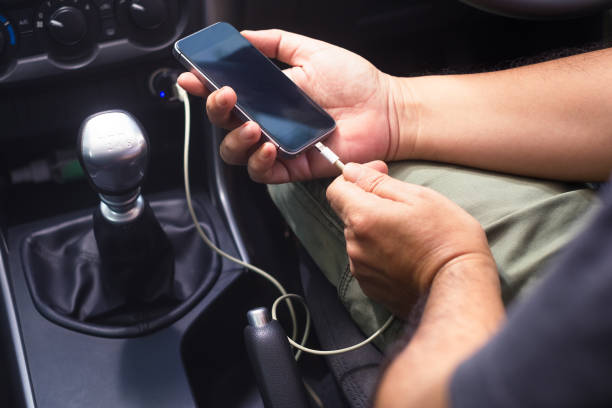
114	152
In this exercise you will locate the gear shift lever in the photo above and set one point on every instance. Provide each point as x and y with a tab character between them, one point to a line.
136	255
124	275
113	150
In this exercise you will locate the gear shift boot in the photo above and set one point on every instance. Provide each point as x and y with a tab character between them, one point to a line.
73	285
136	258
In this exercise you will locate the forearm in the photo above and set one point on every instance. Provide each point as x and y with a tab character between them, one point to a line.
550	120
463	310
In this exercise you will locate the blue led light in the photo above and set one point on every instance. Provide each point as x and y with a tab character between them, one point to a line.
11	35
162	94
9	28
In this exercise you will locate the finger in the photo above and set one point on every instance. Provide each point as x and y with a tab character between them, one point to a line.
238	144
350	201
192	84
339	194
290	48
295	74
219	105
370	180
264	168
378	165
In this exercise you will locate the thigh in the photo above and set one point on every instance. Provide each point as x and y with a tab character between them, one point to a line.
527	222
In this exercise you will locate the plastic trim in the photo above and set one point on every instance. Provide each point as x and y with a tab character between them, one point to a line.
17	342
540	9
222	194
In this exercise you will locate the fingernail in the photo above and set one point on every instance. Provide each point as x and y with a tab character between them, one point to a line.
352	172
267	152
220	98
246	131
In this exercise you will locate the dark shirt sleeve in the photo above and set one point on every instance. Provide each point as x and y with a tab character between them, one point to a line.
555	350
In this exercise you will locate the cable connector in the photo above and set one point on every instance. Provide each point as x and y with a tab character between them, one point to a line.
181	94
330	155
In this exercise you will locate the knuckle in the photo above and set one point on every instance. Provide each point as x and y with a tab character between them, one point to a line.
213	110
227	152
358	222
277	32
253	166
330	191
212	114
425	194
223	152
348	235
255	175
231	142
257	166
375	182
353	251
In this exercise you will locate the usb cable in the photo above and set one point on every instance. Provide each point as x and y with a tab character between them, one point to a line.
333	158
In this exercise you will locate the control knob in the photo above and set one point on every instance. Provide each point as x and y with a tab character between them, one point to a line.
148	14
67	25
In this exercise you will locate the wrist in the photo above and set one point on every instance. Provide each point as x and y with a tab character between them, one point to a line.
463	310
473	266
403	116
474	276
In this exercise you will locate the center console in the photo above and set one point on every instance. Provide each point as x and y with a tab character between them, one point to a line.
112	299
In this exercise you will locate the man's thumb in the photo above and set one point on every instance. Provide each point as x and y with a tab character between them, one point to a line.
367	176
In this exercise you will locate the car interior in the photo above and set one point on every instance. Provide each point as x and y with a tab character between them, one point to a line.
109	298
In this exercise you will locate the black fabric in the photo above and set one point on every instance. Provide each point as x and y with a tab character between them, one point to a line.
357	371
556	348
140	278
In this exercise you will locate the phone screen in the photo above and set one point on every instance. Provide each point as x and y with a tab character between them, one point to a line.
286	115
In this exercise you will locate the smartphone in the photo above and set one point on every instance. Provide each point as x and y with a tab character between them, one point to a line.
219	55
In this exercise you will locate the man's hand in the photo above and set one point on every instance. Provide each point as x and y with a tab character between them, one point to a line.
399	235
403	240
353	91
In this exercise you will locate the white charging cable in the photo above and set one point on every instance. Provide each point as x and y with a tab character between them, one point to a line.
333	158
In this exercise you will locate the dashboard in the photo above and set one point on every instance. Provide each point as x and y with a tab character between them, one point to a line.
44	38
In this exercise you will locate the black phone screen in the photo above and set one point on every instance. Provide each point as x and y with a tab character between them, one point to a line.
264	93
